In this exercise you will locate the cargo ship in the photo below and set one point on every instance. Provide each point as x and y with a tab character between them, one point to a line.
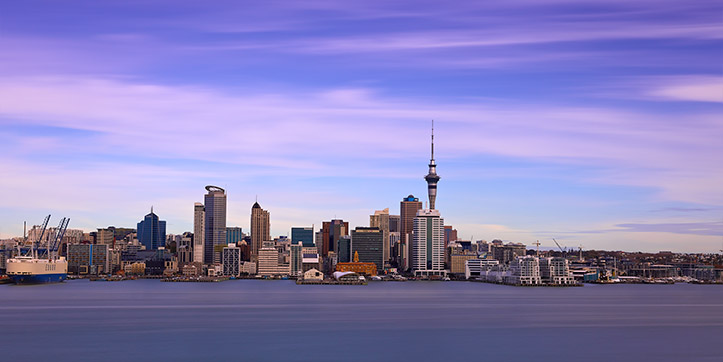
30	270
47	267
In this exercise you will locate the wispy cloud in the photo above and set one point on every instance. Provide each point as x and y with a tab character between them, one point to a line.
639	149
697	228
694	88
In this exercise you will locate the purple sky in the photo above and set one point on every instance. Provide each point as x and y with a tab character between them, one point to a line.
598	123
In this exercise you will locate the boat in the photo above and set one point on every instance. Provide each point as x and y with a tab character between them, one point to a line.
36	268
30	270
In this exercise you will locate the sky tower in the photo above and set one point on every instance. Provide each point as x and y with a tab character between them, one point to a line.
432	177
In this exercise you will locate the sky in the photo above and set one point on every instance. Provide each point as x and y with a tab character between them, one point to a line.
597	123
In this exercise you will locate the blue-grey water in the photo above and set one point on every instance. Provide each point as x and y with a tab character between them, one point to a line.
249	320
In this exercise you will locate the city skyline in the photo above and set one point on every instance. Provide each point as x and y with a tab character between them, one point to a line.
599	126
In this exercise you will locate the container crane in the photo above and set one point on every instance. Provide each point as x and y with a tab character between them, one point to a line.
58	238
42	232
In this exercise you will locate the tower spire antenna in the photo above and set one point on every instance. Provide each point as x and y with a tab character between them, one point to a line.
432	139
432	178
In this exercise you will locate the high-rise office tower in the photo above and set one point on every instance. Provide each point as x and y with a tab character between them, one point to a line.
152	232
296	258
428	245
303	234
199	230
215	224
380	220
184	249
394	221
234	234
450	235
432	177
260	230
368	243
343	249
231	260
331	232
407	212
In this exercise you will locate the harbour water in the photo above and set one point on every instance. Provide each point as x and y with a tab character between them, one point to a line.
249	320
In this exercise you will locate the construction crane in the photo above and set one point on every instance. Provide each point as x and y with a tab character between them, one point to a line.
581	259
558	245
538	247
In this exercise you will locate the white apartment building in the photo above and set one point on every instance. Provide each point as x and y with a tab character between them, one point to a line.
556	271
524	270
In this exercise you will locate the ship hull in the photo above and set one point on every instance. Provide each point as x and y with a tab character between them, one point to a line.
38	278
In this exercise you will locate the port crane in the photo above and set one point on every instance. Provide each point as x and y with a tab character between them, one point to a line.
42	233
54	244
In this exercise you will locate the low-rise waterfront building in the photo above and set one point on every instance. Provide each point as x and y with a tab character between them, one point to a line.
313	274
506	253
135	268
478	268
193	269
88	259
347	277
369	269
269	265
524	270
248	268
458	261
555	271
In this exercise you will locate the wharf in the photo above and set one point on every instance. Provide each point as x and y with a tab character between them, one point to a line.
114	278
547	285
329	282
195	280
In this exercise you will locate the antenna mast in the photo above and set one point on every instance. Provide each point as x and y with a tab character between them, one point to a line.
432	139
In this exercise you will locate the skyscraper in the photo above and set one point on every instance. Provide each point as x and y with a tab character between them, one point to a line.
303	234
152	231
450	234
380	220
432	177
199	229
331	232
394	221
231	260
428	244
368	242
234	234
296	258
343	249
260	230
407	212
215	224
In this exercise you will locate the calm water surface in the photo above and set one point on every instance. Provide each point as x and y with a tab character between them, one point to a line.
384	321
